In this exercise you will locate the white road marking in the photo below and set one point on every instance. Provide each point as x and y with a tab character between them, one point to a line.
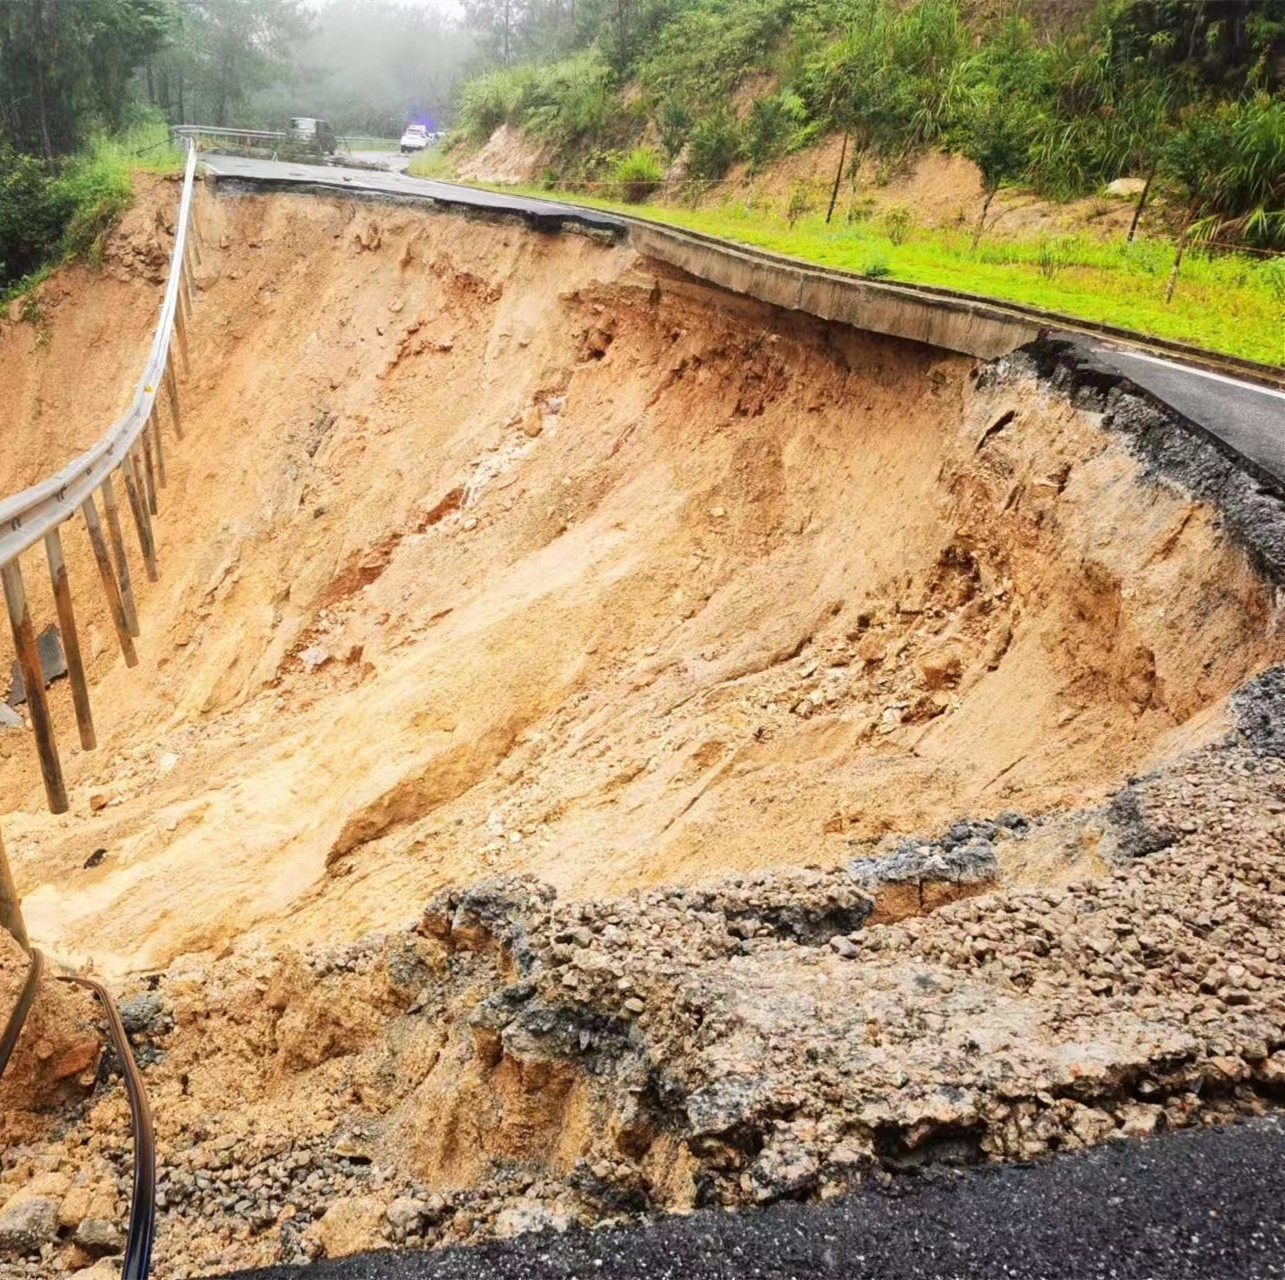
1186	368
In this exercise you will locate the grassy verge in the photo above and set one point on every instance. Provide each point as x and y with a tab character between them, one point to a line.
431	163
1228	302
147	147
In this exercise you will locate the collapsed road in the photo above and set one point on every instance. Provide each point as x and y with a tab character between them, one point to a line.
1243	413
621	746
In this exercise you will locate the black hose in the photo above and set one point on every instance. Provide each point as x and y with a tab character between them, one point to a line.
13	1028
142	1209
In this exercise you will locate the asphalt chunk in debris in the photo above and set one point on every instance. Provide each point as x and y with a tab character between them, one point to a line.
53	665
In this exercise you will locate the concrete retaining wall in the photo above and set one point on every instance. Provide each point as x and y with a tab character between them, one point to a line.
974	328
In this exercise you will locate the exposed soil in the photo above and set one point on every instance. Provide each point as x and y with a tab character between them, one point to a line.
490	551
492	554
937	189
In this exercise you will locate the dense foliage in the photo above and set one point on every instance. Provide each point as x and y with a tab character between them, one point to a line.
66	68
1186	91
74	72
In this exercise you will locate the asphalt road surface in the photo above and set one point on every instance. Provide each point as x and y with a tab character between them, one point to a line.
1201	1205
1247	417
397	183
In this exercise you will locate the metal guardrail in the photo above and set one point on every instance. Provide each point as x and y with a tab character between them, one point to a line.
244	137
133	451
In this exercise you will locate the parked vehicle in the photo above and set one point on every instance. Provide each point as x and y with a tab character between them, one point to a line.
316	135
416	138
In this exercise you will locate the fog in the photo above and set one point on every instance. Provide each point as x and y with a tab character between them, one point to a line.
372	66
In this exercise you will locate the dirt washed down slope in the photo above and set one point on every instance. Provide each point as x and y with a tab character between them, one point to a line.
495	551
602	745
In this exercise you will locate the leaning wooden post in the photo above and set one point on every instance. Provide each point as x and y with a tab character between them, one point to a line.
126	592
33	681
158	443
10	903
171	387
142	522
104	571
194	239
180	327
147	470
70	639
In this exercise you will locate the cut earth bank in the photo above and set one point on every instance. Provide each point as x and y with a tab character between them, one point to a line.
494	554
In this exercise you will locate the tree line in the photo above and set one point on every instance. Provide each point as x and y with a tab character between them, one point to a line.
75	70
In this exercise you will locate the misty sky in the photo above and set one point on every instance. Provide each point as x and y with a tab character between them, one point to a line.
443	6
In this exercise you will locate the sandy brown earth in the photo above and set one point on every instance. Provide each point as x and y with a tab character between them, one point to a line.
492	554
490	551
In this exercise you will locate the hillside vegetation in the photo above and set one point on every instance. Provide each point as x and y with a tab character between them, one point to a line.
802	126
1178	91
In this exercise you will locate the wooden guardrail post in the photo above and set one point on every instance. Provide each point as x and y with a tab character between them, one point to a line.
158	442
125	594
10	904
180	327
33	680
147	470
142	520
126	623
70	639
135	446
171	388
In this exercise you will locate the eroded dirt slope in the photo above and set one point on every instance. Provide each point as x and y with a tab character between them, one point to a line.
490	551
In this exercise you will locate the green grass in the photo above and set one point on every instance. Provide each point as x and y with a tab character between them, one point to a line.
91	190
146	146
1228	302
431	163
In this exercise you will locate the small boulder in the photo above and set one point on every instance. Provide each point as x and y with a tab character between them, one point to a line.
99	1237
405	1216
27	1224
1126	187
525	1217
141	1012
350	1225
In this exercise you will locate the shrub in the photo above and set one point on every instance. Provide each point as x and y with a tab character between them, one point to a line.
715	145
674	122
564	102
897	224
490	101
1049	258
801	202
45	215
97	190
638	175
34	210
772	127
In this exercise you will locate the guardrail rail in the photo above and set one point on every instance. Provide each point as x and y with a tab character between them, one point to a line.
131	454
